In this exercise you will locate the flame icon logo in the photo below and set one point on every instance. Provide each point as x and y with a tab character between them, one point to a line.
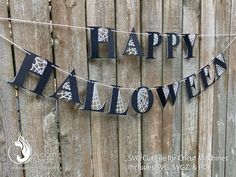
22	147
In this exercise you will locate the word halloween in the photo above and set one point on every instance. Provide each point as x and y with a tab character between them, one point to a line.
133	47
141	99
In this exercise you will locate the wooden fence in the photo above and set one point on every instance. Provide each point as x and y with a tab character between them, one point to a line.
73	143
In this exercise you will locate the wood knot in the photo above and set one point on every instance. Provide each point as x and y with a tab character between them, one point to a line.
69	3
56	42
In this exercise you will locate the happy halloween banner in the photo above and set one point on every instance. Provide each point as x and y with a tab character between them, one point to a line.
142	97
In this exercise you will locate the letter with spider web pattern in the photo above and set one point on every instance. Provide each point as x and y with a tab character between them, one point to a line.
102	35
133	47
117	105
68	90
92	101
167	91
189	40
34	64
154	40
220	65
191	86
142	99
172	41
205	76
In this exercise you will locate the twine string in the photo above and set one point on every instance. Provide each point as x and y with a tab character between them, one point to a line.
106	85
91	28
103	84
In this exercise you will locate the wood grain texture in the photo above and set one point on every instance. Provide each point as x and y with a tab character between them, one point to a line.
151	77
230	169
128	74
38	115
71	53
172	21
100	145
103	126
206	102
9	125
220	89
191	23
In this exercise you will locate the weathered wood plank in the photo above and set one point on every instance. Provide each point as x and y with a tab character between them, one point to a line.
100	146
128	74
230	169
9	125
207	53
220	90
172	21
38	115
103	126
71	53
151	75
191	23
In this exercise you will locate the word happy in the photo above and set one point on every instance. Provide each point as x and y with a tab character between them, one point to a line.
141	99
105	35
